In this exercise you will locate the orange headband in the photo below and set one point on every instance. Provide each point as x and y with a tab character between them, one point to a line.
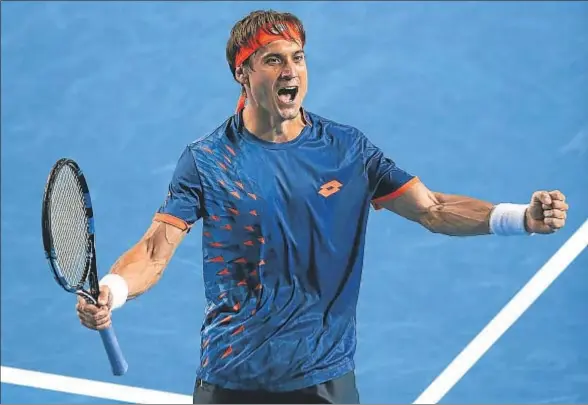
263	37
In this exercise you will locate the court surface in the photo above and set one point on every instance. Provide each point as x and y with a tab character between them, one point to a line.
482	99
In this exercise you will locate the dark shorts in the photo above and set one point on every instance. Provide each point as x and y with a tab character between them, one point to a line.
338	391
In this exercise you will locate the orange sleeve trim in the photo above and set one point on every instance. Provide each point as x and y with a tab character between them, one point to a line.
171	220
396	193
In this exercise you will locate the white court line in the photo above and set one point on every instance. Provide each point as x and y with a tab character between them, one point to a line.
89	388
506	317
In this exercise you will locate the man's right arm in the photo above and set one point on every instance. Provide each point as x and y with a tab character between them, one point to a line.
143	264
140	267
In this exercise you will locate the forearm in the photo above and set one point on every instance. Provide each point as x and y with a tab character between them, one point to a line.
457	215
139	268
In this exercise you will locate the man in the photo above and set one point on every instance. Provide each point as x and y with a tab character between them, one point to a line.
284	197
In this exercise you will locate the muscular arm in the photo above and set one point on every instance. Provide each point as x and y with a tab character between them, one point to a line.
142	265
442	213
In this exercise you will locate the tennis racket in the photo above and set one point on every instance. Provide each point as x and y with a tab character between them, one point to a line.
68	239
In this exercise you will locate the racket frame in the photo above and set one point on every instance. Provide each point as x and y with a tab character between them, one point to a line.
110	342
90	271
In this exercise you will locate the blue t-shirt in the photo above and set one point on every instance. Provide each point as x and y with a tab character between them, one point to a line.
283	239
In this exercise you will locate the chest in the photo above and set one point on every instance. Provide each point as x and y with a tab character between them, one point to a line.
245	186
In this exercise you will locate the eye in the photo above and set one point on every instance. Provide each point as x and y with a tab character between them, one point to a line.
299	58
272	60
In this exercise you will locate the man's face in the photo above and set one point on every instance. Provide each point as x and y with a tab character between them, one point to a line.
278	78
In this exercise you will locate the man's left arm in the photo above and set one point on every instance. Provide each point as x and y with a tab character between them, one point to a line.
458	215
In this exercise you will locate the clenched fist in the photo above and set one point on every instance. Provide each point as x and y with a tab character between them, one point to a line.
547	212
96	317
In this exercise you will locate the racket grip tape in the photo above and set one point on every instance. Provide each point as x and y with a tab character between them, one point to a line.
115	356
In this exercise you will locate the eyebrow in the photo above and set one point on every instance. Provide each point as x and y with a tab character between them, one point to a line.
281	54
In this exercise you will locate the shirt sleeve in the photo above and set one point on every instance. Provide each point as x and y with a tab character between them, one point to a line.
386	180
183	205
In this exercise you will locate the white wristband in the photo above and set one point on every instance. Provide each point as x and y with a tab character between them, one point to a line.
119	290
508	219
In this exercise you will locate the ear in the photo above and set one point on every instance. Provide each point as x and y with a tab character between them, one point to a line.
241	75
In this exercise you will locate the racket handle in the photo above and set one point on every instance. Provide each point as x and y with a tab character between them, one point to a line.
117	361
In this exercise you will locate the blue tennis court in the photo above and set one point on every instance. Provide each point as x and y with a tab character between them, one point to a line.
485	99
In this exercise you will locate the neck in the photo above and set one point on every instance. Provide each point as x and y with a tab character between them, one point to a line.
271	128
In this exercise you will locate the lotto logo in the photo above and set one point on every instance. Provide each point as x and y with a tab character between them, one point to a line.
330	188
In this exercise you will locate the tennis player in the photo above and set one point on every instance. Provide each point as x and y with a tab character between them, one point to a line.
284	195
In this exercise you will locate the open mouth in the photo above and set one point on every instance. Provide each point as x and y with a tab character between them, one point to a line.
288	94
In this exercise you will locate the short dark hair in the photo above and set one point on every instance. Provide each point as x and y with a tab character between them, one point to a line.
244	31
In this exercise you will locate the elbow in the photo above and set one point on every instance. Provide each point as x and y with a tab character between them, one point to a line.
430	214
430	219
149	248
151	264
154	253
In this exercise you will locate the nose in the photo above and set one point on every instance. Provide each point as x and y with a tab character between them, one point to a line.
288	71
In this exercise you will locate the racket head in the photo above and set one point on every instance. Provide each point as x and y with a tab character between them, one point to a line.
68	228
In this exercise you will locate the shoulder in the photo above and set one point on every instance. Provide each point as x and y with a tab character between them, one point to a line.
337	132
212	147
198	153
210	141
333	126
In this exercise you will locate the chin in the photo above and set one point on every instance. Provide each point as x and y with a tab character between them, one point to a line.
289	113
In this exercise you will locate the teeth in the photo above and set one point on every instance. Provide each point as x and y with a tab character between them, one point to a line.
290	92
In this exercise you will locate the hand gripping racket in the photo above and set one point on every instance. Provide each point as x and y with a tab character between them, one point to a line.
68	240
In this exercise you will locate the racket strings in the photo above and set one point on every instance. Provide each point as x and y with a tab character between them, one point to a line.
69	227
